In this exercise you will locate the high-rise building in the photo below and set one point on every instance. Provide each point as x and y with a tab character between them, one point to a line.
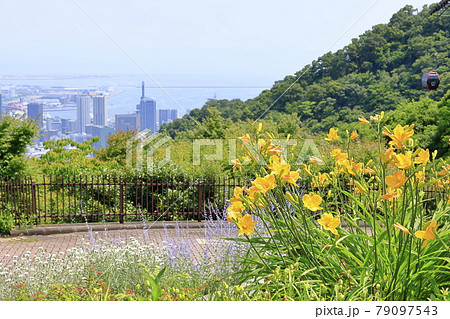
102	132
167	115
1	106
99	110
147	112
35	111
83	113
127	122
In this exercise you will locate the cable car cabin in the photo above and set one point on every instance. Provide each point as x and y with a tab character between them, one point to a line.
430	80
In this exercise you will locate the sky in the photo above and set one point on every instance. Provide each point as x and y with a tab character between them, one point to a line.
192	37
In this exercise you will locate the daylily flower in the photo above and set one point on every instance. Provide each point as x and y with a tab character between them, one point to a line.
264	184
236	163
245	139
401	227
238	191
278	165
397	180
387	156
354	135
246	225
332	135
321	180
377	117
339	156
290	197
423	157
259	127
353	168
369	170
232	217
403	161
313	159
390	193
400	135
312	201
428	232
275	150
329	222
291	177
363	120
359	188
236	207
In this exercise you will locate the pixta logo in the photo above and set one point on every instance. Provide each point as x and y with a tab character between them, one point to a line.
142	148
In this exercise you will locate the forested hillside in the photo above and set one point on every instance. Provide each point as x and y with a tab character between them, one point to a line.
378	71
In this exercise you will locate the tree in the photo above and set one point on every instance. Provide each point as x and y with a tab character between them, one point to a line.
15	135
441	140
117	147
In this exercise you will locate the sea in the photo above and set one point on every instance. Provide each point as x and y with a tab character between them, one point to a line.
171	91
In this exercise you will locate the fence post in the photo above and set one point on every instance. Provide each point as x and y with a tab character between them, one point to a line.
33	200
121	202
200	201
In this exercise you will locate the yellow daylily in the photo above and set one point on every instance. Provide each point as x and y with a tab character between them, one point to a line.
390	193
423	157
264	184
236	163
275	150
313	159
400	135
377	117
232	217
236	207
290	197
339	156
259	127
397	180
278	165
238	191
403	161
312	201
291	177
360	188
401	227
321	180
246	225
363	120
387	156
428	232
332	135
245	139
328	222
354	135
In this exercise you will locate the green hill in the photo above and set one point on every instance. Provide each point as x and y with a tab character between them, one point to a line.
378	71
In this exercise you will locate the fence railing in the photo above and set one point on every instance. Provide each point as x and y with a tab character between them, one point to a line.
112	198
68	199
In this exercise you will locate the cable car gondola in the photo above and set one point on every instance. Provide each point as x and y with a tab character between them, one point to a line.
430	80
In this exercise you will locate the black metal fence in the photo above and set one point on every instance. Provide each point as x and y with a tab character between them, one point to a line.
112	198
68	199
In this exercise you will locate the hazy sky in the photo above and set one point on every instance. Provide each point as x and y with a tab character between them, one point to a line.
252	37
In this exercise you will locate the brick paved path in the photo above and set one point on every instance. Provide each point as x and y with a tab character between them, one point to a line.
55	243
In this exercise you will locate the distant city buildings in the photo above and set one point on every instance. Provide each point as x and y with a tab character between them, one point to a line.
35	111
83	113
147	112
78	113
167	115
99	110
